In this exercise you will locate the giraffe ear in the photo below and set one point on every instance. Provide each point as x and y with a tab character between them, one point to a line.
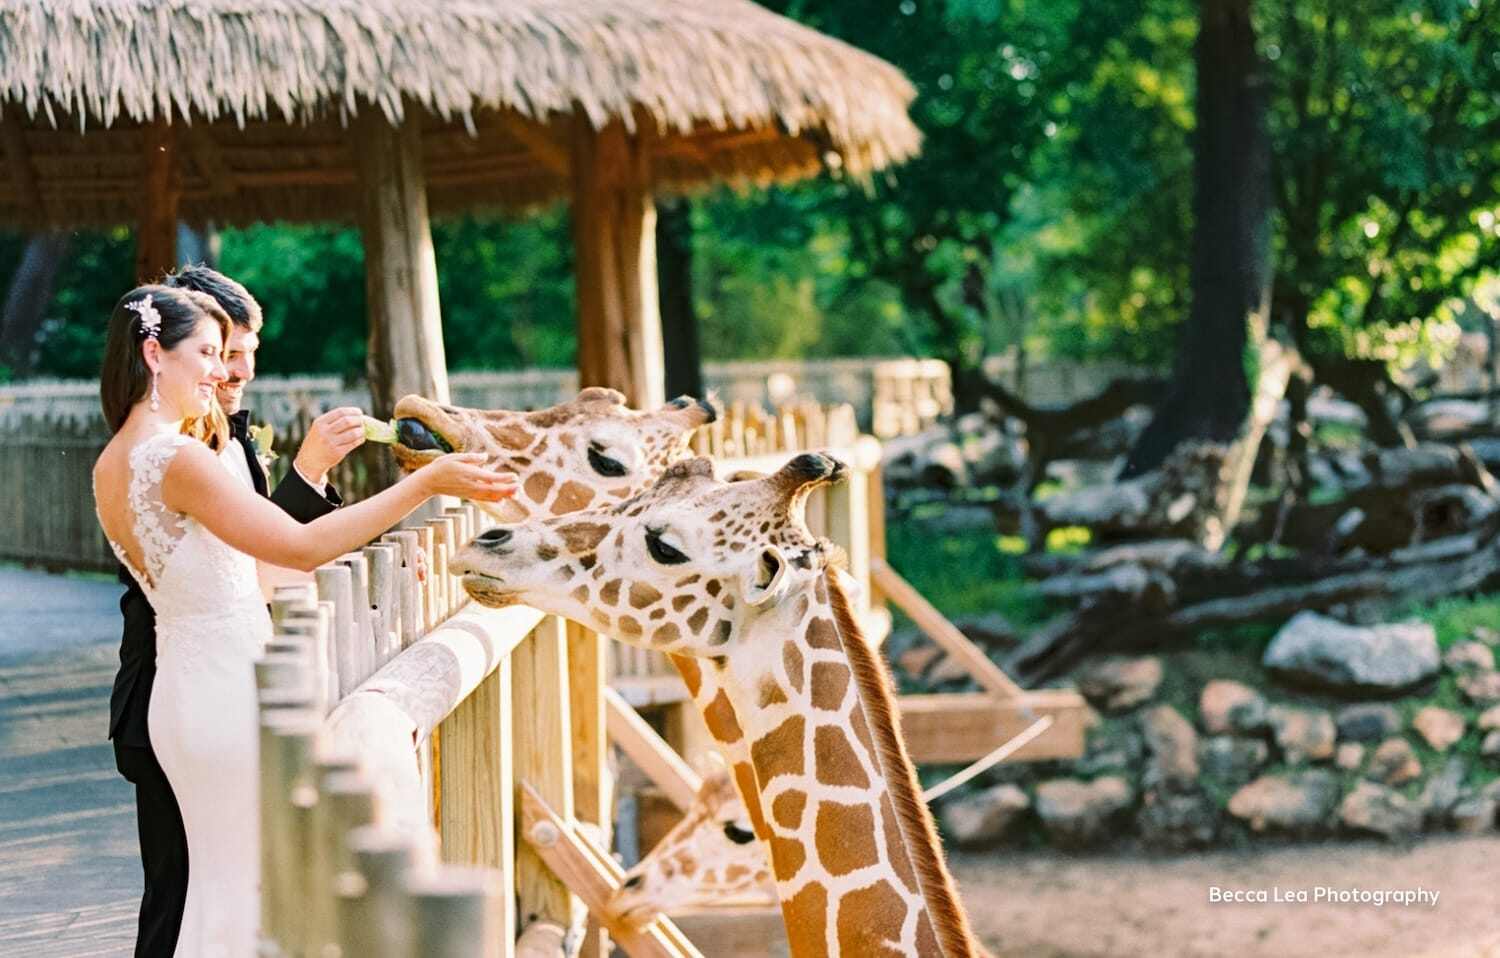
763	579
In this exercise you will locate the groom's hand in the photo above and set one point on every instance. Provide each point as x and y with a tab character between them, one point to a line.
330	438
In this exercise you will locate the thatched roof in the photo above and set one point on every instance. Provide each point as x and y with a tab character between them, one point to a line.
260	93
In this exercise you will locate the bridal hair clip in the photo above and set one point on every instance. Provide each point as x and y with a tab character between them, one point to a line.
150	318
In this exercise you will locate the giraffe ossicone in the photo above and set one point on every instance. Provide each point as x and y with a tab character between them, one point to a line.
730	574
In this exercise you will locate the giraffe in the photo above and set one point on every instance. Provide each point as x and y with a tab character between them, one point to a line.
709	857
729	574
587	451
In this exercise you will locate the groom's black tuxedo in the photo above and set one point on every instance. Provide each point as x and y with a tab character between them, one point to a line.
163	841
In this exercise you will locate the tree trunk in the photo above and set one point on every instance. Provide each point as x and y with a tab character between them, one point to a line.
27	299
679	323
1231	258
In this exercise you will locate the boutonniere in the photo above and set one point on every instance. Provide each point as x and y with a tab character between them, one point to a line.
262	437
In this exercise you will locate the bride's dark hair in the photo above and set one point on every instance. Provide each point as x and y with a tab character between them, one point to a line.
125	378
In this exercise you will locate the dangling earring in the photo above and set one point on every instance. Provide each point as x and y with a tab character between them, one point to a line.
155	396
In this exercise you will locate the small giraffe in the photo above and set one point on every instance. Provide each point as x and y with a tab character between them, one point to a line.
728	573
709	857
587	451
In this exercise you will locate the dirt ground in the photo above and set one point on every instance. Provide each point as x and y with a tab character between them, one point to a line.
1050	905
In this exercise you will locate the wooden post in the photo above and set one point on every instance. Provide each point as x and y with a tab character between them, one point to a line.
161	189
587	672
614	239
406	335
540	728
478	798
336	585
411	591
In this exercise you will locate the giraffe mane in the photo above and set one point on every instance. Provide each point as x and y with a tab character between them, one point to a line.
949	921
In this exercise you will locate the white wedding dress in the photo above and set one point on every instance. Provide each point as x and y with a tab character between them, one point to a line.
211	623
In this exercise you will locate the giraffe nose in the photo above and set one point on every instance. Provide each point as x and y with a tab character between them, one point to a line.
633	882
491	538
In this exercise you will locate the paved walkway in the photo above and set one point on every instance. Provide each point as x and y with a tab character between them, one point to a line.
70	875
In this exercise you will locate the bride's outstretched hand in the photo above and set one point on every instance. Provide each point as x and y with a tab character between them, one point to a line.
464	474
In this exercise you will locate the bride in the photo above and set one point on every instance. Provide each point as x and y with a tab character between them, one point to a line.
192	539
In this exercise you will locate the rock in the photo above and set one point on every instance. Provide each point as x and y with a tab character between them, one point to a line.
1394	763
1491	746
1173	746
1487	635
1303	735
1117	683
942	464
1489	719
1234	761
1370	722
949	669
1474	814
992	629
1380	810
1177	821
1077	814
916	660
1481	688
1439	727
1315	649
1298	801
1469	656
1112	746
984	817
1350	756
1228	706
1443	791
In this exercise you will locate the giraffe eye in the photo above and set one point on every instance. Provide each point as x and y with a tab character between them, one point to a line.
662	552
604	465
738	835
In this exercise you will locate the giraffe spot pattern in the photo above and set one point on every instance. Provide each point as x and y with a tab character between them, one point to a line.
830	684
721	720
836	762
807	911
628	627
666	634
573	496
642	595
787	857
791	660
895	845
583	536
779	752
870	920
610	594
770	693
821	634
787	809
846	838
537	485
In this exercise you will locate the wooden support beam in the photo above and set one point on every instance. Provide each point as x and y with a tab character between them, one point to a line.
650	751
595	876
539	141
591	781
209	161
614	238
161	192
964	726
401	288
940	630
22	174
541	726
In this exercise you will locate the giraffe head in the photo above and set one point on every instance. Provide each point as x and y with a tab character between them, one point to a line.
710	856
590	450
680	567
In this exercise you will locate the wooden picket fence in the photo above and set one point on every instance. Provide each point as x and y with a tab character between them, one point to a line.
433	772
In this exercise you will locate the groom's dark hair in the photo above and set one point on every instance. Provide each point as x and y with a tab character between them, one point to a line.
235	299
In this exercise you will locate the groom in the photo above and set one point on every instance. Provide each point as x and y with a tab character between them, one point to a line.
304	495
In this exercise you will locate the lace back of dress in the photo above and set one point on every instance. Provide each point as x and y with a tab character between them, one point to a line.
158	530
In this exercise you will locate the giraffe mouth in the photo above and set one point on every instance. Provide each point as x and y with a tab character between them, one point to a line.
489	591
424	432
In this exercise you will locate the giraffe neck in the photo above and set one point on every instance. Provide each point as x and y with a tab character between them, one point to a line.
714	704
853	877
